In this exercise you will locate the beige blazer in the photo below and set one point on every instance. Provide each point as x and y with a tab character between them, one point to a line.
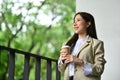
91	51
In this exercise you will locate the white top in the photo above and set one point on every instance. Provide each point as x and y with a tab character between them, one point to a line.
74	52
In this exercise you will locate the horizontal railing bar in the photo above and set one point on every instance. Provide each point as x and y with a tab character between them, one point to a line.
23	52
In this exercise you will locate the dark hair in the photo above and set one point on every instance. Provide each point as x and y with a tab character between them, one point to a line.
91	30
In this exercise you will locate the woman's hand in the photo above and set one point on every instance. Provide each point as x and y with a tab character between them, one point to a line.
71	58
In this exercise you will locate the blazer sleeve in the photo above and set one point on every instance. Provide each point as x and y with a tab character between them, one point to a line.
61	65
99	61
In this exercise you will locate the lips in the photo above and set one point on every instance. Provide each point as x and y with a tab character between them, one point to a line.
76	28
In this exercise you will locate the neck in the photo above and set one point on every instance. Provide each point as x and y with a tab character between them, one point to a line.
83	35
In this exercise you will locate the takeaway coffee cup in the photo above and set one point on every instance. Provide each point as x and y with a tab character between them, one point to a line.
65	50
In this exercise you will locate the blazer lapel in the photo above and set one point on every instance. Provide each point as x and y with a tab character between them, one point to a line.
85	44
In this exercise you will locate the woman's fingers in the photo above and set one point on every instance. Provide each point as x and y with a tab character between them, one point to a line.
63	58
71	58
63	54
68	59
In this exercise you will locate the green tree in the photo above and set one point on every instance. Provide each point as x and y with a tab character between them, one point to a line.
34	26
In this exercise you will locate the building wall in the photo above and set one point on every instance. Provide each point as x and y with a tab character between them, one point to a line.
107	18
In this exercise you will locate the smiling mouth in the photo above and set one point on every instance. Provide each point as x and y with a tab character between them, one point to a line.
76	28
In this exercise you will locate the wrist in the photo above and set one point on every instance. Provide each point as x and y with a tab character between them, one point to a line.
79	62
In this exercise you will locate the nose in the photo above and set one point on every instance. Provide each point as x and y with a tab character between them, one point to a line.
75	24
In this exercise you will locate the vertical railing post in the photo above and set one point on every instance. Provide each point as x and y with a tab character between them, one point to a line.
58	75
11	66
38	68
26	67
49	70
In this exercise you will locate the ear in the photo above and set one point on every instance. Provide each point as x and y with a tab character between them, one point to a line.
88	24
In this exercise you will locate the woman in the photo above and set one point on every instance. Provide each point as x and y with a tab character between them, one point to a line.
86	59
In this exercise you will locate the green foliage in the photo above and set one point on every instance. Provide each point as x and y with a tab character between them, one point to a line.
22	27
3	63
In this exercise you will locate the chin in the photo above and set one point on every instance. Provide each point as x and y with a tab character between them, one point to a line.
76	32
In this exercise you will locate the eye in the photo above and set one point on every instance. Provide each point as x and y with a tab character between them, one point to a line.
78	19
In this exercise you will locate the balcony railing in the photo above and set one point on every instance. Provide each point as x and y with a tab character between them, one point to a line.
26	72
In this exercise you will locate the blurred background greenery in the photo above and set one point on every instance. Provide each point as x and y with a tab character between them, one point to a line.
36	26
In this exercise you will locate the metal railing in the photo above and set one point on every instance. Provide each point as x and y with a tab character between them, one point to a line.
27	55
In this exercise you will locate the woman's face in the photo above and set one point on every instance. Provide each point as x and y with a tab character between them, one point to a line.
80	25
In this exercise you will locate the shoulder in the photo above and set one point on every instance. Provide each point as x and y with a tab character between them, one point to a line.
97	45
96	42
